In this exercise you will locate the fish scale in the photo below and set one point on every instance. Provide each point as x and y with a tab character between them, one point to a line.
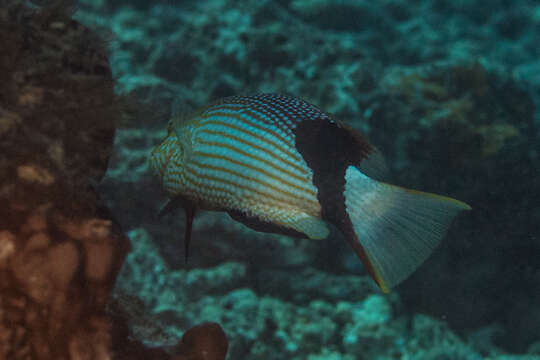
226	166
258	157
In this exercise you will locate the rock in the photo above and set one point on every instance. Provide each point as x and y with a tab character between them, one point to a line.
310	283
7	247
60	249
203	342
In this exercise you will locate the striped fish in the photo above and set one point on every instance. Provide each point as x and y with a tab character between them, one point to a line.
279	164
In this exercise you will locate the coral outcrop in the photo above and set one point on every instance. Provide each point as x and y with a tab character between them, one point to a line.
60	249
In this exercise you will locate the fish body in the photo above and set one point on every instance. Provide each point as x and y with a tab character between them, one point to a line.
279	164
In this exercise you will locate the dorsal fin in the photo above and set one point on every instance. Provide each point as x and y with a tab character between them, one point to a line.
372	164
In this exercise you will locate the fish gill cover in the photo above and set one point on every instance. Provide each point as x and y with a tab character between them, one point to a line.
446	90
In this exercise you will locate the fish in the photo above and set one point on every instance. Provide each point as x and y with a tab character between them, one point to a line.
279	164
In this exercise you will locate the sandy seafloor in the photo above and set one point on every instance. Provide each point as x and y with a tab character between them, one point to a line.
448	91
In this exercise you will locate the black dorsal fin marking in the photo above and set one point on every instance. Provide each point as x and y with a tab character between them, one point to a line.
257	224
375	166
329	148
372	162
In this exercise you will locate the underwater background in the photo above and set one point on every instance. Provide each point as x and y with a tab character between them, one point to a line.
447	90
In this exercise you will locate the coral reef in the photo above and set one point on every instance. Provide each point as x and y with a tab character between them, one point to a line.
447	90
303	318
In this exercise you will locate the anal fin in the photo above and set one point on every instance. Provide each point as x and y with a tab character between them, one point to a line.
314	227
299	225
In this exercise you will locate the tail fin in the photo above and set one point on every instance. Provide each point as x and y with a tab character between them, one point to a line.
395	229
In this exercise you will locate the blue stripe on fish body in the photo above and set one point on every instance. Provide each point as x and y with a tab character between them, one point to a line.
261	144
253	159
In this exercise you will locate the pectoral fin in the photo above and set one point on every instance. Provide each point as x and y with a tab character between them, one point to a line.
171	205
190	215
190	210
